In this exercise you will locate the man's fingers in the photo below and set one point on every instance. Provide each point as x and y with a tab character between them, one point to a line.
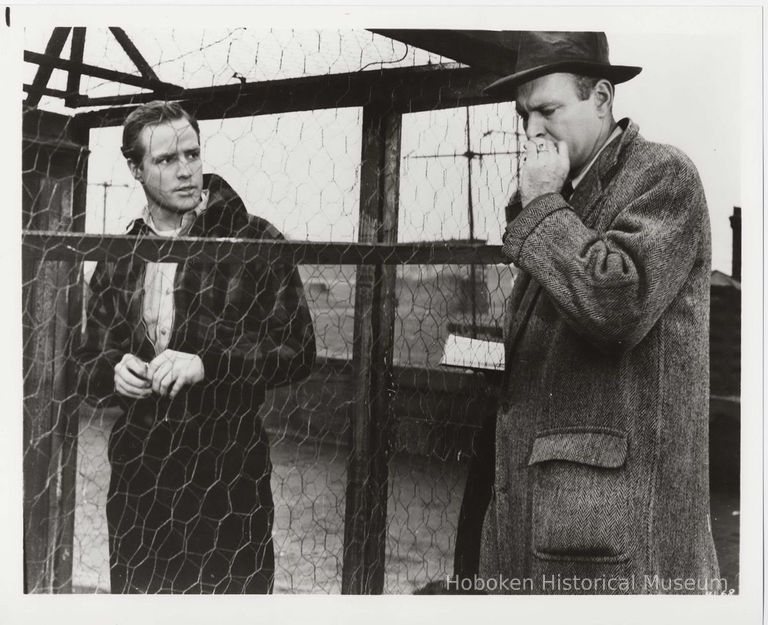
135	364
530	148
132	379
160	373
177	386
129	378
130	391
562	152
545	145
156	363
166	381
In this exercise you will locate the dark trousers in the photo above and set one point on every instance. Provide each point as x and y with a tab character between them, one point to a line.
190	507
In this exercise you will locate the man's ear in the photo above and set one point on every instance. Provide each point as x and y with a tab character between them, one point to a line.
603	94
136	170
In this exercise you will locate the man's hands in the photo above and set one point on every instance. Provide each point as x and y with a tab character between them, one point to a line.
167	374
544	170
172	370
131	378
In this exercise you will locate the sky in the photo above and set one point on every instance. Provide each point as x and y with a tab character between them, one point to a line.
301	170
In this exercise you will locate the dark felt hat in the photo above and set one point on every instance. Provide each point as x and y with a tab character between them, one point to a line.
547	52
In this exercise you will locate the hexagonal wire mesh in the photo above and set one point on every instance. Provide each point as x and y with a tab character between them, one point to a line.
300	171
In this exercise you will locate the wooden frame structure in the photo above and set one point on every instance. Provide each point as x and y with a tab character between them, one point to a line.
384	95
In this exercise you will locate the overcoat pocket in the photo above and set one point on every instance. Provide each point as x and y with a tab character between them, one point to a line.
580	495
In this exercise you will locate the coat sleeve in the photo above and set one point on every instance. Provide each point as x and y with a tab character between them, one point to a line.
613	286
105	340
273	342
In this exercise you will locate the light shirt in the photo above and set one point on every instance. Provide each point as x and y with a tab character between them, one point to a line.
158	308
616	132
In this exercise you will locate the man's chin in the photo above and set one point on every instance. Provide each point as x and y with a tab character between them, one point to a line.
182	208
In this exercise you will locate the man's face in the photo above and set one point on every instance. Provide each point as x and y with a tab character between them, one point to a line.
171	171
551	109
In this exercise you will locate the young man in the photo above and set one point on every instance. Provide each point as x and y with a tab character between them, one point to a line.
189	349
601	476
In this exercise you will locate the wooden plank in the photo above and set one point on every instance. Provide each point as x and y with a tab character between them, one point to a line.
69	314
133	53
403	90
54	93
43	75
66	245
735	221
51	62
40	462
494	51
37	298
80	136
381	392
73	78
366	500
50	298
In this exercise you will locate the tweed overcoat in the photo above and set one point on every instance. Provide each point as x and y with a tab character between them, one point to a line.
189	506
601	478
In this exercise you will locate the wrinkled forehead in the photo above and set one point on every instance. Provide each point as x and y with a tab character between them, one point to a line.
550	89
171	136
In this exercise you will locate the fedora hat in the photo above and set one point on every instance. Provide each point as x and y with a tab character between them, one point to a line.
547	52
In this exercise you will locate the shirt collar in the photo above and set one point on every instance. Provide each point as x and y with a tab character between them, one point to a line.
145	219
616	132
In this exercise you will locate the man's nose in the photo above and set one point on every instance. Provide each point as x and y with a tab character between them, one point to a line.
534	129
184	169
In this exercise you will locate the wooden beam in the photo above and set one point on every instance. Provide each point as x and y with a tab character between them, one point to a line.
43	75
52	246
486	50
365	525
133	53
73	78
403	90
51	303
55	93
46	60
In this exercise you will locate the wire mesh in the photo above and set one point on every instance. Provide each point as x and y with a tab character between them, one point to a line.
300	171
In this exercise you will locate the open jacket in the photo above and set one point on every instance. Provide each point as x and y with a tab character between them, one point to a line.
189	506
249	322
602	435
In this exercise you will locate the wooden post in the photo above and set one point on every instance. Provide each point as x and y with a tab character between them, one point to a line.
54	47
365	526
54	161
735	220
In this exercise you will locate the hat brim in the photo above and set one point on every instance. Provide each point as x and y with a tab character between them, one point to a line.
615	73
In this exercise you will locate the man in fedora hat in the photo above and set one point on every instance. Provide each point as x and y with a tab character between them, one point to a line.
601	473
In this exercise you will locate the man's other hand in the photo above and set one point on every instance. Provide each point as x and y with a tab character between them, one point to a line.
131	378
544	170
171	370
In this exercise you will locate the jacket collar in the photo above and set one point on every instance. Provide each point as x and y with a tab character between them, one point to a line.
146	223
223	205
611	155
588	192
615	134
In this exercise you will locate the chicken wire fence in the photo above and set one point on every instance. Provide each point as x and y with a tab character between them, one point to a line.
381	309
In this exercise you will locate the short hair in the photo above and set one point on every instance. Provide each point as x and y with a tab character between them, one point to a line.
585	85
150	114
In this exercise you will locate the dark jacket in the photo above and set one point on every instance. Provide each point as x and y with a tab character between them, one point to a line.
248	322
189	506
601	441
